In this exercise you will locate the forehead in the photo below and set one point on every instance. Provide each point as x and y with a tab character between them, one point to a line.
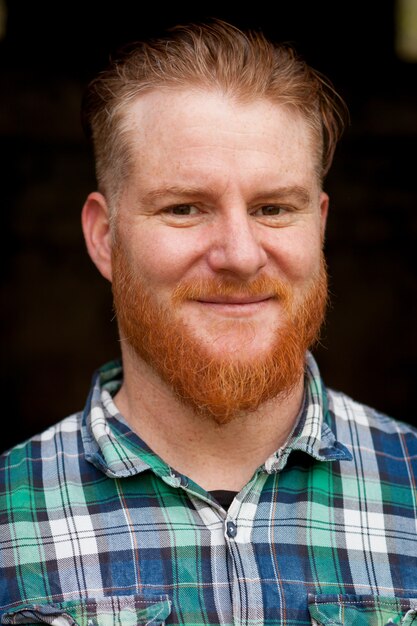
179	132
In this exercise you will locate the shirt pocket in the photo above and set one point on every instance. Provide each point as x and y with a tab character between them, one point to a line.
136	610
358	610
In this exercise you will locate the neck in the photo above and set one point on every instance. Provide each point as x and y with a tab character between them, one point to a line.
212	455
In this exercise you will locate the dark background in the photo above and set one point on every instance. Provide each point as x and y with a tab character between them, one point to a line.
56	317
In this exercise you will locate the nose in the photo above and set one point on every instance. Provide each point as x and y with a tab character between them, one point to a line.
236	248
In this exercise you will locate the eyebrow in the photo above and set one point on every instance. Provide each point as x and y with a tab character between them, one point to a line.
300	193
176	190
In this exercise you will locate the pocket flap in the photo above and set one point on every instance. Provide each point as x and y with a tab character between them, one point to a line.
366	610
136	610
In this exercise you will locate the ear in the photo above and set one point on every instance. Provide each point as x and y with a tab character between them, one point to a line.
324	209
95	221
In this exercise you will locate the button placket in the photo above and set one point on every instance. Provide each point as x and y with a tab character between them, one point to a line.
231	529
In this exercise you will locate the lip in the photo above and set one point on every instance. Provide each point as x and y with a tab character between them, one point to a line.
235	307
235	300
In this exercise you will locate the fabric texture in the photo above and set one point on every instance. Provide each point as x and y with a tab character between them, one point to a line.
97	530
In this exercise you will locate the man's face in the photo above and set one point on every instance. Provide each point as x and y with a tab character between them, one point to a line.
219	242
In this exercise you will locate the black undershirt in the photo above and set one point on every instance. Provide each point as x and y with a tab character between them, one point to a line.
224	497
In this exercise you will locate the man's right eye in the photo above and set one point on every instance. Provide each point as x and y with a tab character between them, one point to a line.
182	209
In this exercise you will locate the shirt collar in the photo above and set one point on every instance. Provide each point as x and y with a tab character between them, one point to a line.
109	443
312	433
112	447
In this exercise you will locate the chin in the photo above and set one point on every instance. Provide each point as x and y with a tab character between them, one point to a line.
237	337
237	350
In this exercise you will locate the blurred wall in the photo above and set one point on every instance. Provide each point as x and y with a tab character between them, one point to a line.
56	318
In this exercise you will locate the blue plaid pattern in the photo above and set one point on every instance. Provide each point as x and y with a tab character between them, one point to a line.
96	530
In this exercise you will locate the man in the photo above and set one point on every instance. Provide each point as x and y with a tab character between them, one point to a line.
212	478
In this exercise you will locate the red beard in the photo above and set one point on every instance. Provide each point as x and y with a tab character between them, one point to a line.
219	387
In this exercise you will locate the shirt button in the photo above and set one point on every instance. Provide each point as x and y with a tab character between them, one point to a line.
184	480
231	529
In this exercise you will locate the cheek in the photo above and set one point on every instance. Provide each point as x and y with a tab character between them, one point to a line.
165	259
298	254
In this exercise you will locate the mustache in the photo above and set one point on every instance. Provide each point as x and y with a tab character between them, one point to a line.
206	288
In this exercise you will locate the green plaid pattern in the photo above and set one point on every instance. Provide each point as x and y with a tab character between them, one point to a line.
96	530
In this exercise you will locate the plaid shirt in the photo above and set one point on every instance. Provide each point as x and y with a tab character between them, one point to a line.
96	530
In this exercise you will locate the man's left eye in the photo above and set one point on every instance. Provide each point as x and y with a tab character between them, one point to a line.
183	209
269	210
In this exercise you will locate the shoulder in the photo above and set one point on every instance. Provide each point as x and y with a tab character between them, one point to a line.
28	460
362	425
